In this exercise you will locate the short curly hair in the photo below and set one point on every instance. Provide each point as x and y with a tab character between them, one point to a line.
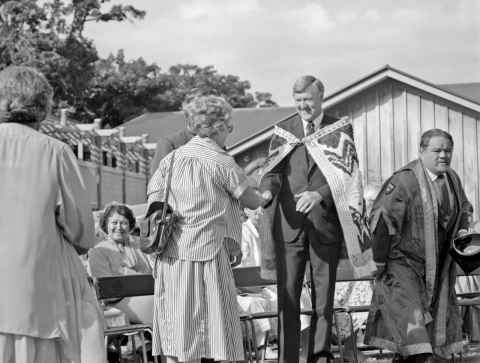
25	95
203	112
121	209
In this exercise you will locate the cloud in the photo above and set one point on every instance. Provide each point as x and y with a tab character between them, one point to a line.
211	8
372	15
270	43
311	17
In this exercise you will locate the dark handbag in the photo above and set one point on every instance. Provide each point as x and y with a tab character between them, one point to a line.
465	251
157	226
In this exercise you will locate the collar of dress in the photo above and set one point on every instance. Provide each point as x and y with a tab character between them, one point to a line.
208	143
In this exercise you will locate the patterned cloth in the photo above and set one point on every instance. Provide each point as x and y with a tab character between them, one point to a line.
333	150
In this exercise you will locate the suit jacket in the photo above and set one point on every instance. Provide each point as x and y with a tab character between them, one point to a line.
165	145
297	173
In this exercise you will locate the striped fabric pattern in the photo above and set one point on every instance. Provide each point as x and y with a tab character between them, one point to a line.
195	310
206	183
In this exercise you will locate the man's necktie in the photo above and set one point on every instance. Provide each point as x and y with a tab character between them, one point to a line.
443	197
310	128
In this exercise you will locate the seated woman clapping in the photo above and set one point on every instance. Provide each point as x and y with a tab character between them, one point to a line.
117	255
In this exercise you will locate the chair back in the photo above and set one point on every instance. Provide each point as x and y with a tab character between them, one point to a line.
114	287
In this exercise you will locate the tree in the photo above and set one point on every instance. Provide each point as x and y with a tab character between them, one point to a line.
48	35
121	90
124	89
188	77
264	99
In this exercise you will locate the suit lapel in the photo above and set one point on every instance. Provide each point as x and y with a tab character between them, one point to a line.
295	127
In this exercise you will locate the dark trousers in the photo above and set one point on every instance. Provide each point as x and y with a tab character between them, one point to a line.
291	262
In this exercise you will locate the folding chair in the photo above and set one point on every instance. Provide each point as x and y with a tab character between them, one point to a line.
249	277
117	287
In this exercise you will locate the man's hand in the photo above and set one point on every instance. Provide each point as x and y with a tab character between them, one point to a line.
307	200
462	232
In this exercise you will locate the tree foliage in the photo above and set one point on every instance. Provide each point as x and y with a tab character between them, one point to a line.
48	35
124	89
264	99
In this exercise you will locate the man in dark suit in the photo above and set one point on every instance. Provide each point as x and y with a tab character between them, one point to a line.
305	227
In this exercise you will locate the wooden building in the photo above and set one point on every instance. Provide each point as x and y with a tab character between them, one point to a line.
390	109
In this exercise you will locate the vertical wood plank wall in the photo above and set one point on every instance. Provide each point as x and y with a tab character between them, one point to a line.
388	120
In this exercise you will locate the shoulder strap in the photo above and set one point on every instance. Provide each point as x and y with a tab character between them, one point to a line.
167	187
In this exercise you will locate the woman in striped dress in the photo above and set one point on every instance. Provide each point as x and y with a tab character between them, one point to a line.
195	309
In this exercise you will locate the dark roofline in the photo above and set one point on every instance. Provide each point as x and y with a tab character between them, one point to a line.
261	131
236	109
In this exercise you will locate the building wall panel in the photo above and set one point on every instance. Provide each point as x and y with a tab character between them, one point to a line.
385	104
470	148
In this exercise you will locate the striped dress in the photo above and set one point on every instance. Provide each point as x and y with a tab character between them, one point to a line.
195	310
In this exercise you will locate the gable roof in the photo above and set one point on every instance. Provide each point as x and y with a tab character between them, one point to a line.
247	121
470	91
360	85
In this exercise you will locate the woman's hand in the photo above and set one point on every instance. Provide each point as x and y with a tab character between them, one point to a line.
252	198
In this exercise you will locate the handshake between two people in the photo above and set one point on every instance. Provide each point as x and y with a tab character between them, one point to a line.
252	198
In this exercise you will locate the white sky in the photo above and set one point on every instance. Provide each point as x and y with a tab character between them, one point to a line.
272	42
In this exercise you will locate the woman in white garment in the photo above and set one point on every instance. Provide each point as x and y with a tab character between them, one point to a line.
195	314
48	310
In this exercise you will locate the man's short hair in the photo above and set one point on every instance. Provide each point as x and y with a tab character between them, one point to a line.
427	135
302	83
